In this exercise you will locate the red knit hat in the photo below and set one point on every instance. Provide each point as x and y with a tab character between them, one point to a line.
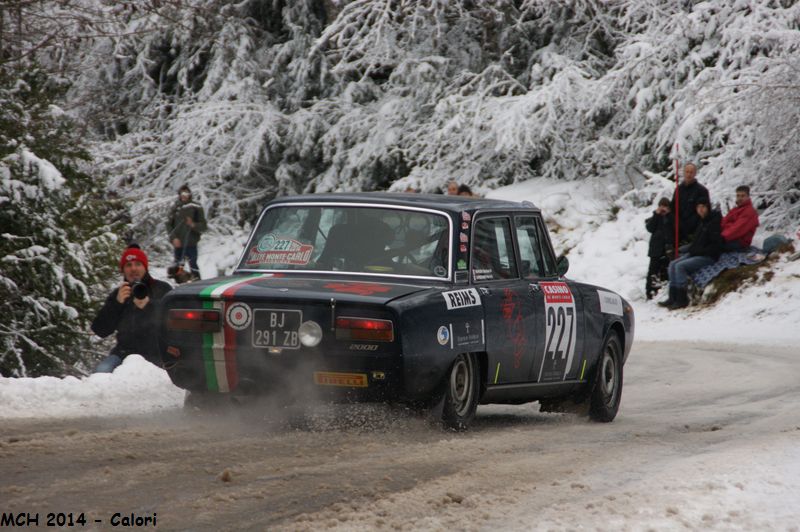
132	254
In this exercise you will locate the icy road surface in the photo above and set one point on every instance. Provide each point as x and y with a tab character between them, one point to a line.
707	438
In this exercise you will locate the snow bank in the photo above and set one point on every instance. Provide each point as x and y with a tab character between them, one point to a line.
135	387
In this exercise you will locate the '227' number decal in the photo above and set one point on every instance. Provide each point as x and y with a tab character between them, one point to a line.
559	318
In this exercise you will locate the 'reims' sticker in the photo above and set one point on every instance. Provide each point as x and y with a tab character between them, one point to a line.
456	299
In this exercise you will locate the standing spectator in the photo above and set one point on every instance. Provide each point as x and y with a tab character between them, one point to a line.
739	225
185	224
662	228
690	193
132	311
705	249
452	188
464	190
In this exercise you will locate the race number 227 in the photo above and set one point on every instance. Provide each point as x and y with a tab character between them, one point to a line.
559	333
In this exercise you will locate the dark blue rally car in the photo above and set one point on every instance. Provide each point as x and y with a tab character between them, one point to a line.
441	302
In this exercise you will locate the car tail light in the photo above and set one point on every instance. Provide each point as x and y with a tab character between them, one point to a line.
367	329
197	320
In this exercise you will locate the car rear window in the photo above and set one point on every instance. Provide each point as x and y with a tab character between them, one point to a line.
365	240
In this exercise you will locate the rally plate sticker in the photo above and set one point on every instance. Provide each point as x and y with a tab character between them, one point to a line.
560	332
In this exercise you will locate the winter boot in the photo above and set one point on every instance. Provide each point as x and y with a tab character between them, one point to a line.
681	299
670	300
172	270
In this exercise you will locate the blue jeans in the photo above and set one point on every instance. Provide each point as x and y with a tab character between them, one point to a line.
187	252
108	364
680	268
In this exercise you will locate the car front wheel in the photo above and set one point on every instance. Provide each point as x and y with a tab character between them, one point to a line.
462	392
607	386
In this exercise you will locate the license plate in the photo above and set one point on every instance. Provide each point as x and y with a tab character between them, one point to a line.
350	380
276	328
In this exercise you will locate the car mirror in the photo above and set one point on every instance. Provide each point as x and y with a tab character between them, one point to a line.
562	265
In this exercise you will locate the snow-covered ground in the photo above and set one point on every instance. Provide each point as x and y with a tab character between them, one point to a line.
136	387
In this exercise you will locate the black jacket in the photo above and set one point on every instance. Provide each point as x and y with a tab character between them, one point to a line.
176	223
662	239
688	196
137	329
707	241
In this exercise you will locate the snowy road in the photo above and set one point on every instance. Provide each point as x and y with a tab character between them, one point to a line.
708	437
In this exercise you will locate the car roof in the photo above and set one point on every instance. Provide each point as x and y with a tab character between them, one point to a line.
430	201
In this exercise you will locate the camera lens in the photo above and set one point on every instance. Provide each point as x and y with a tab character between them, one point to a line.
139	290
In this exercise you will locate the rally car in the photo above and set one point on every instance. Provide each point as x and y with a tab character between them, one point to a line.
443	302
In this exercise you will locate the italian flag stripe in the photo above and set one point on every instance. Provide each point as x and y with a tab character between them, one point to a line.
219	348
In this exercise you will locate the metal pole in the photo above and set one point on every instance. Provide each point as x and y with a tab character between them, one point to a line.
677	203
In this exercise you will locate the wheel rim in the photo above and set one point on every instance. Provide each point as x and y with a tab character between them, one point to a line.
461	386
608	376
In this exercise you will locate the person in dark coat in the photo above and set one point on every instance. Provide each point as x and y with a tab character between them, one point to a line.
705	249
740	224
690	193
662	228
186	222
132	310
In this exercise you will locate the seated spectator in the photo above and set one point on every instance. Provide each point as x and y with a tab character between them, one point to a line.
662	228
705	249
452	188
739	225
464	190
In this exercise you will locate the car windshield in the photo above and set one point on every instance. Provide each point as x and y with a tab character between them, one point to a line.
363	240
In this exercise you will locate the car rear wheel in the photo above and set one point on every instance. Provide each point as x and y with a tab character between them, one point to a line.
607	386
462	392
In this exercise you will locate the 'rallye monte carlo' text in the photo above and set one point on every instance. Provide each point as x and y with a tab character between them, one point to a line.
433	301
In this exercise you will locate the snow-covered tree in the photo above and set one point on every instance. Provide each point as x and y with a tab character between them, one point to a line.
56	246
253	99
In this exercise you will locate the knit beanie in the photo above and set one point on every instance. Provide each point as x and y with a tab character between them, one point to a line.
131	254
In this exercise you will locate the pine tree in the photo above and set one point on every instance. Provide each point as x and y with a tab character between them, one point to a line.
56	244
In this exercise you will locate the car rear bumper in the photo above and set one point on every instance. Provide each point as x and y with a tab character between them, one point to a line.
299	375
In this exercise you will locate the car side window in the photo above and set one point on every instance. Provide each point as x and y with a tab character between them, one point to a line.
550	269
530	247
493	250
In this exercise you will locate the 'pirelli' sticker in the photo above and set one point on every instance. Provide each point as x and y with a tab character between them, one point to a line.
347	380
468	297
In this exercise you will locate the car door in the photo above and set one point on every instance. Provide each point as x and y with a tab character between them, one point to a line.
509	313
558	350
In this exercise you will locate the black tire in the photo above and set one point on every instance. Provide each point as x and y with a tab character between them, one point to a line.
462	392
607	385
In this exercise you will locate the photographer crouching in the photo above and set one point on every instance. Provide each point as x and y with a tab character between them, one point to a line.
132	311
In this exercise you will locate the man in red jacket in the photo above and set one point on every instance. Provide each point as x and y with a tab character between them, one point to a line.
739	225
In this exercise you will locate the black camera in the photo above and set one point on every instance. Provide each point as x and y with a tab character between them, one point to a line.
140	290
